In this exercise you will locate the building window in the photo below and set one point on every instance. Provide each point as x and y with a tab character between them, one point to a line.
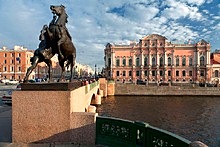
130	73
145	61
137	61
190	73
124	62
117	73
184	73
5	68
177	73
177	61
19	68
190	61
153	73
124	73
109	62
5	55
130	62
161	73
161	61
137	73
169	61
169	73
12	61
117	62
145	73
5	61
153	61
216	73
184	61
202	73
202	61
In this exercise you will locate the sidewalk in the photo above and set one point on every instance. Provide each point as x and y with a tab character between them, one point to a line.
6	133
5	124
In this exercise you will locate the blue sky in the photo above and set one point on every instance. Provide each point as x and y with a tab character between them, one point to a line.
94	23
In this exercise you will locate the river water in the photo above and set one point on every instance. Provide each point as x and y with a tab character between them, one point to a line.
191	117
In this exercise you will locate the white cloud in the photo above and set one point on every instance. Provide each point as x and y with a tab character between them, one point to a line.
194	2
93	23
176	10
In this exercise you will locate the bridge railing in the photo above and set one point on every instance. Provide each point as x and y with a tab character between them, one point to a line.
119	132
90	86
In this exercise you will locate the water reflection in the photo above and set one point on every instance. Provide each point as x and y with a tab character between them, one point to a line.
194	118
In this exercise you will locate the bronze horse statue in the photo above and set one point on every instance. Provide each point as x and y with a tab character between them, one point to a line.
58	40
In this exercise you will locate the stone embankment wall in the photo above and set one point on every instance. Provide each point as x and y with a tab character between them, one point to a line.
132	89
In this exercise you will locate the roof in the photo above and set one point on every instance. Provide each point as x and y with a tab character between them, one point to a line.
154	36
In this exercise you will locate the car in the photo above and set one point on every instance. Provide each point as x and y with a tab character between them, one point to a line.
5	80
7	98
163	84
12	82
140	82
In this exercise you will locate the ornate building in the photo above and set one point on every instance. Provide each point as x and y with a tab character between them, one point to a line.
155	59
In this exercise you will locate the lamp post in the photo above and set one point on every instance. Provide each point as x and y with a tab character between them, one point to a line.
95	71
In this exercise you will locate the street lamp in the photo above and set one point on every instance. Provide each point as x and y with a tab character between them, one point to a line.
95	71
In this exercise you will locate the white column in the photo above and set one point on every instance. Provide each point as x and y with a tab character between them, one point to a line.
150	59
158	59
142	59
198	59
113	59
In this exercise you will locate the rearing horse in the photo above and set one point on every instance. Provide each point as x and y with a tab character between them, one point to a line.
61	40
55	39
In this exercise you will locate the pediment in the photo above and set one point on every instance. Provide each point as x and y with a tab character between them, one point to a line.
154	37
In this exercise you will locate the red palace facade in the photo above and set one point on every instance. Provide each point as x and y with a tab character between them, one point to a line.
154	59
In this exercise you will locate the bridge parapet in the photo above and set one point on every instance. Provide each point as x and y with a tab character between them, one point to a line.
56	113
119	132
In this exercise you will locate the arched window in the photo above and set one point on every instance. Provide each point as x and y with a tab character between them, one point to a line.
177	61
117	62
216	73
184	61
169	61
130	62
145	61
202	61
161	61
109	62
183	73
153	61
190	61
124	62
137	61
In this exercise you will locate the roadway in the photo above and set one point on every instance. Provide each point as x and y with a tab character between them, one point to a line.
5	116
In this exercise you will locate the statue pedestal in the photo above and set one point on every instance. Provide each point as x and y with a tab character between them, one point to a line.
52	112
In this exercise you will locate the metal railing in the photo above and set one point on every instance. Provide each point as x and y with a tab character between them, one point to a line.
119	132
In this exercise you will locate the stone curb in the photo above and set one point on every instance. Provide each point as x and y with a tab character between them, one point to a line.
3	144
